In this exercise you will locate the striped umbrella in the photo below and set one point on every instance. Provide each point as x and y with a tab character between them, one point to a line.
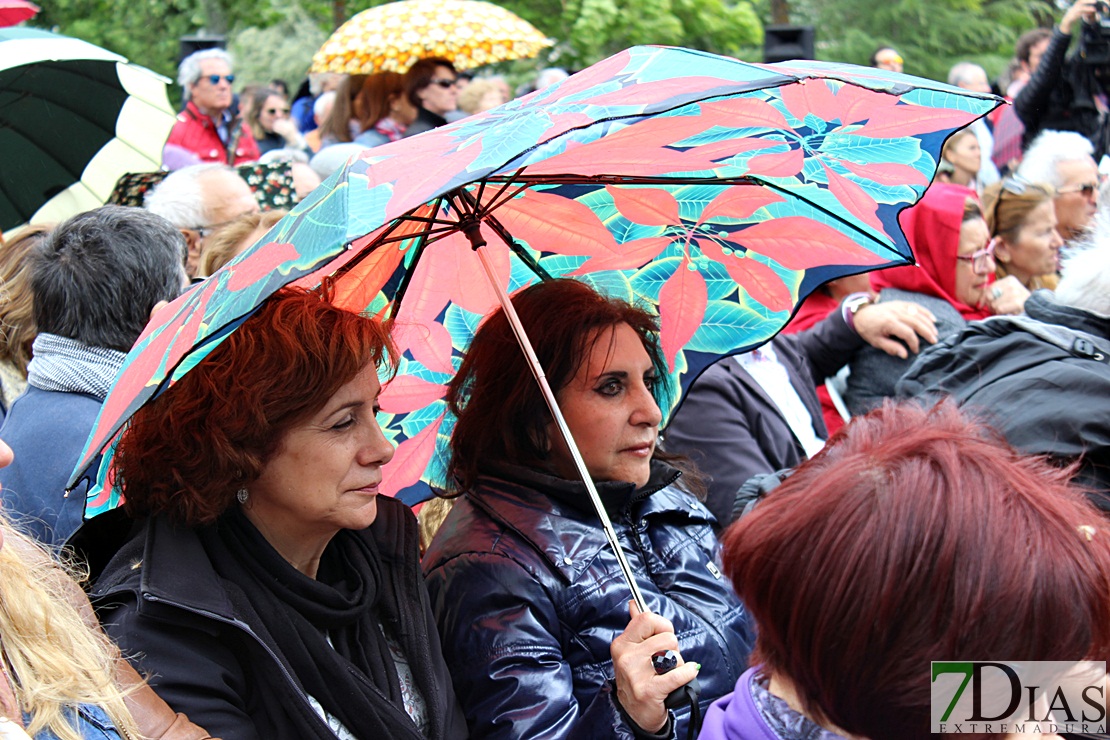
394	36
73	118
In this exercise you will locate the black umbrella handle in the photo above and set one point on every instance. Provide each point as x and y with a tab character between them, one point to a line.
666	661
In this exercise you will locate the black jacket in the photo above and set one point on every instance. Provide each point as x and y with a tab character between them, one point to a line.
205	648
731	428
1045	397
528	596
425	121
1060	96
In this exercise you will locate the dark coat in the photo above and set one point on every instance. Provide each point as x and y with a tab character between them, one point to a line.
425	121
1043	398
1060	96
207	651
875	373
47	431
528	597
731	428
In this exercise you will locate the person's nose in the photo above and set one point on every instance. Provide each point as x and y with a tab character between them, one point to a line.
6	454
376	450
1057	240
646	412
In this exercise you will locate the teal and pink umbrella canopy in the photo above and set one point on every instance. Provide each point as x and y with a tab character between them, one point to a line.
721	193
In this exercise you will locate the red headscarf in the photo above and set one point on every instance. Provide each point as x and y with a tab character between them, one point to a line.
933	230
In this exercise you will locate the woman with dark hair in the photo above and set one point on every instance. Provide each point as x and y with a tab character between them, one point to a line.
268	590
957	548
432	87
529	597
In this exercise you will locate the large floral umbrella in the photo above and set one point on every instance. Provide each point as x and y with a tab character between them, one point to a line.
720	192
392	37
73	118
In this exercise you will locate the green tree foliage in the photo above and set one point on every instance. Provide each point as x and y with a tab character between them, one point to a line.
590	30
147	31
282	51
932	35
272	37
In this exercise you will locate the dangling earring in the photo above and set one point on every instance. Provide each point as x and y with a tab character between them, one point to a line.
242	495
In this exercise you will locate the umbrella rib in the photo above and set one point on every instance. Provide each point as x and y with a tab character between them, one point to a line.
486	215
741	180
421	245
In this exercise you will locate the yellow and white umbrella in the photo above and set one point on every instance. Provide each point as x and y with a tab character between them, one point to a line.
394	36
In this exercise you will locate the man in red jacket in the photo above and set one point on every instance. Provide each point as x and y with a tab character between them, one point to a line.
207	129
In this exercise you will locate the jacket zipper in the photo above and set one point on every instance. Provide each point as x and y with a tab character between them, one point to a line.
245	628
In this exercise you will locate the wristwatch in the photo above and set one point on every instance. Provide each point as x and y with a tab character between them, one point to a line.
852	304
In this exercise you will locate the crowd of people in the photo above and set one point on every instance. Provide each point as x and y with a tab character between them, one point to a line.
919	451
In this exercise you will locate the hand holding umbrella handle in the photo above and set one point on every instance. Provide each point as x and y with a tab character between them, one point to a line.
666	661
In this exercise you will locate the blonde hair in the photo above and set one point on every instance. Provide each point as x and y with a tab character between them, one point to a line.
17	323
431	517
1006	212
471	96
55	653
223	244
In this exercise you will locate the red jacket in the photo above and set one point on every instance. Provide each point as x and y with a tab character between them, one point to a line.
197	133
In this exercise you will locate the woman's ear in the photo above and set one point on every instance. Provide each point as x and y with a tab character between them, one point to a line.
1002	253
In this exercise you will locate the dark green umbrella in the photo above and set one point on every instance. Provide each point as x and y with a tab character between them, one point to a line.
73	118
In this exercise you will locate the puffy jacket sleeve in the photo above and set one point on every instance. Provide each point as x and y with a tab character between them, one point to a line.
193	670
500	639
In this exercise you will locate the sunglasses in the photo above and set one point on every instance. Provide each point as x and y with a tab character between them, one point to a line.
1088	190
215	79
445	84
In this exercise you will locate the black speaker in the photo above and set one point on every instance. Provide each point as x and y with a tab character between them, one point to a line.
190	44
783	43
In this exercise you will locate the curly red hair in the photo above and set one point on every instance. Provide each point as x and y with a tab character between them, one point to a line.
186	453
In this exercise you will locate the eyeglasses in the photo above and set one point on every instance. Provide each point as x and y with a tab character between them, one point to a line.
275	111
982	262
1088	189
445	84
215	79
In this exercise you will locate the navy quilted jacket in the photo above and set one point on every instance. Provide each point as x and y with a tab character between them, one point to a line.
528	596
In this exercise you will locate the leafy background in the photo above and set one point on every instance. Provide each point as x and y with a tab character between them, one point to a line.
277	38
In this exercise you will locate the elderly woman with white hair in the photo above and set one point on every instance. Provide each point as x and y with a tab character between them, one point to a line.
207	128
1043	378
1064	160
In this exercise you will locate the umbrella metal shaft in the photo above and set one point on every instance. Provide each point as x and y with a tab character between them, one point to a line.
557	414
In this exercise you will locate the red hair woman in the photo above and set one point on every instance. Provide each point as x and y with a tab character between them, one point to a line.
916	535
267	588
